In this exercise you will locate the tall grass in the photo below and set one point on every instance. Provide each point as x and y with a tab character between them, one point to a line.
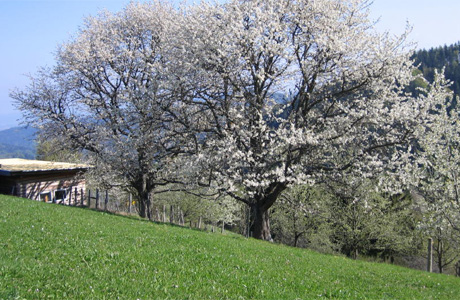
60	252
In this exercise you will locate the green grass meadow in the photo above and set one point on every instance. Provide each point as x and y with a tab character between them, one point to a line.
50	251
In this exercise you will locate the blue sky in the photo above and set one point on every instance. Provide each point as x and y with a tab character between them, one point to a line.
31	30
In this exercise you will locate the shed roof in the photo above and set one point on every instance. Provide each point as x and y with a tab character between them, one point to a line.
19	165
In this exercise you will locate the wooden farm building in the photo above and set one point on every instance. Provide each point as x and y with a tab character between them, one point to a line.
46	181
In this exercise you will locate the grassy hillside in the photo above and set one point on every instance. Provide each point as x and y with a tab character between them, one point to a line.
52	251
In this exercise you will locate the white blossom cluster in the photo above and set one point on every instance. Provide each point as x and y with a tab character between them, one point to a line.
295	91
436	168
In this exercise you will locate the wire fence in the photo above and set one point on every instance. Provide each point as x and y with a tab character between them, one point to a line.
125	204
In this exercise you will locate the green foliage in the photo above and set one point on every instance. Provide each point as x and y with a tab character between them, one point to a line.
199	210
346	219
418	84
11	151
302	219
375	224
445	248
52	251
55	150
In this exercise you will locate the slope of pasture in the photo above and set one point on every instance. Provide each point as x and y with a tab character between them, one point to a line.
53	251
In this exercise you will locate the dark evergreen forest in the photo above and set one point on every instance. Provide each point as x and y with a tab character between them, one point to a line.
437	58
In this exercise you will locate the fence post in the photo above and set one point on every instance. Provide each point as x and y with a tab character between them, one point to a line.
199	222
106	201
164	213
89	198
130	202
157	214
171	214
82	198
223	227
97	198
181	217
248	222
76	196
429	265
70	196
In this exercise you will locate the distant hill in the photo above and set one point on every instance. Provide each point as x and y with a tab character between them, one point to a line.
18	142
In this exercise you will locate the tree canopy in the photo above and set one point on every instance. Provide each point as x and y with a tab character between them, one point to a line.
106	93
295	92
245	97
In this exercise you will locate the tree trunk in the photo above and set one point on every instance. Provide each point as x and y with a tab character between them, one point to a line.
297	236
142	207
144	203
355	254
143	191
296	240
261	223
440	255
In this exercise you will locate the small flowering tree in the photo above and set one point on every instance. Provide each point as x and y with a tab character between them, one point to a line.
300	215
369	221
437	171
287	92
106	95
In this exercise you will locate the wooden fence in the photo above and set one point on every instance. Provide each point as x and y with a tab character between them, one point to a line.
100	200
160	213
73	197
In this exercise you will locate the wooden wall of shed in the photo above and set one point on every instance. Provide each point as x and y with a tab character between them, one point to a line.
31	186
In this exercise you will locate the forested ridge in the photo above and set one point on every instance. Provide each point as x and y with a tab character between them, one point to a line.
17	142
437	58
